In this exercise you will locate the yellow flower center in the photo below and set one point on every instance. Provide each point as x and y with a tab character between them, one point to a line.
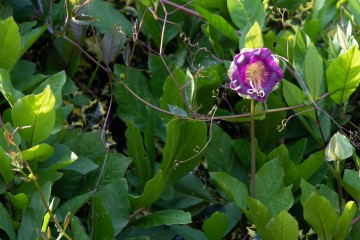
255	75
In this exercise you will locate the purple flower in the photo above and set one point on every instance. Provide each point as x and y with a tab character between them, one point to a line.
254	73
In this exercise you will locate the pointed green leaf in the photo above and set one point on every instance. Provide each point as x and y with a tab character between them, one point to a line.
313	71
254	37
10	43
246	11
310	165
259	214
28	38
135	146
39	152
234	189
7	89
36	115
101	222
164	217
215	226
343	75
72	206
219	23
77	230
6	223
320	215
6	166
282	227
351	182
345	221
152	192
282	200
113	41
20	200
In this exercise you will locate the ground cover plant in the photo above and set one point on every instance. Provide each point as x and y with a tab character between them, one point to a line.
158	119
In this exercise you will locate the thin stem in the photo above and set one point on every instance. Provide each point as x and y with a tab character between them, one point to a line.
252	142
182	8
338	178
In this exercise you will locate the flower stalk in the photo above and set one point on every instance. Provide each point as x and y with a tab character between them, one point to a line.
253	150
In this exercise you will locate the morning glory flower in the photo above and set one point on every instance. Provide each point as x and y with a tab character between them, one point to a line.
254	73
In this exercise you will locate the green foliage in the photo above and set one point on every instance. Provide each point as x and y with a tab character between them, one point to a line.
117	120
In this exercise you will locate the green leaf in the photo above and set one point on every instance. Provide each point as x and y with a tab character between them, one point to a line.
39	152
234	189
164	217
282	200
107	16
246	11
188	233
6	223
20	200
339	148
183	148
10	43
297	150
77	230
343	75
312	164
320	215
221	155
37	114
29	37
219	23
33	217
29	188
269	180
115	200
62	157
259	214
81	164
254	37
7	89
282	227
152	192
102	225
306	190
72	206
313	71
113	41
6	166
345	221
215	226
351	183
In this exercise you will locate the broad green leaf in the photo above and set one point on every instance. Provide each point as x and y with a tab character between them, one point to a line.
297	150
219	23
188	233
39	152
254	37
320	215
10	43
33	217
61	158
269	180
343	75
36	115
339	148
193	186
152	192
312	164
128	106
221	155
107	16
135	148
29	188
6	166
215	226
183	149
7	89
351	183
345	221
306	190
300	49
81	164
242	149
164	217
113	41
282	227
72	206
172	94
28	38
6	223
115	200
77	230
246	11
102	227
19	201
282	200
295	96
234	189
313	71
259	214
